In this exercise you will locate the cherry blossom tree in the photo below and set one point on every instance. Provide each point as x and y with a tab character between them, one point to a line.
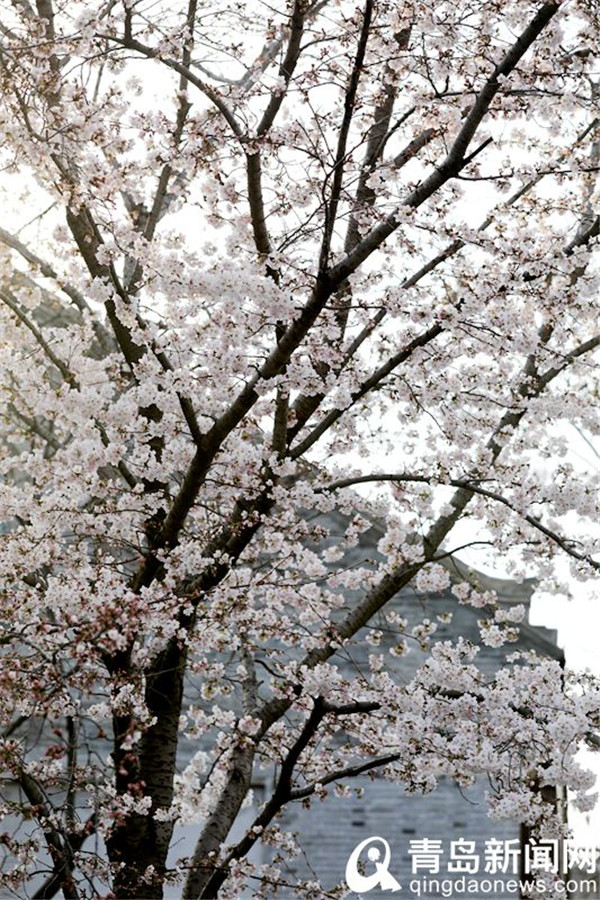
253	257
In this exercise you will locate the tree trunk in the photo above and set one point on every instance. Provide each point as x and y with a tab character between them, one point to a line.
219	824
138	846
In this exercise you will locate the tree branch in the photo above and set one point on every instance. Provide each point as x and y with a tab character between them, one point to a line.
470	485
337	171
304	406
283	792
455	159
370	384
13	304
130	43
59	847
286	69
48	271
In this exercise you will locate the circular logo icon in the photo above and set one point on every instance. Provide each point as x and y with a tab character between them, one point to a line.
381	877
